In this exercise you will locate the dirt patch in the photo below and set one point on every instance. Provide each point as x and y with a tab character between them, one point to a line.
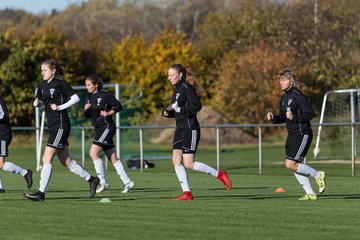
207	116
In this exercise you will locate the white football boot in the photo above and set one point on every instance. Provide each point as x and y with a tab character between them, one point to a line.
128	186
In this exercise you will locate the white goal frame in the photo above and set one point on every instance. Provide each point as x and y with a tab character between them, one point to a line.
351	93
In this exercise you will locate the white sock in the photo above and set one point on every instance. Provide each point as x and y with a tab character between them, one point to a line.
306	170
305	183
1	186
79	170
182	176
121	172
45	176
99	168
10	167
202	167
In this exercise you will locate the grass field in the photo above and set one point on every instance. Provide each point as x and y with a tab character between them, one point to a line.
251	210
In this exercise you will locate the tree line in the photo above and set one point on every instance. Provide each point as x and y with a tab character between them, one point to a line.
234	47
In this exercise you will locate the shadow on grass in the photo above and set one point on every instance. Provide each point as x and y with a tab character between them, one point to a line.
340	196
137	198
156	194
238	188
127	197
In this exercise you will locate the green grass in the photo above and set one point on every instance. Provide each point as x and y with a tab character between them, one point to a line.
251	210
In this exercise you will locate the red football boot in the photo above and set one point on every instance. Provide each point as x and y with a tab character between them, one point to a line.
186	196
224	178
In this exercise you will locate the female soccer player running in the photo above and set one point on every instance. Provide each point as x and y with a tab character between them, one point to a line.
57	95
296	112
185	106
5	140
100	106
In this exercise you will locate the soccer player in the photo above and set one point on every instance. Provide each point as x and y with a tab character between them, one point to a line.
184	108
100	106
5	140
296	112
57	95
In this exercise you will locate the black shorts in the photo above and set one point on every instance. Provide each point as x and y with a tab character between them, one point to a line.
104	137
297	146
4	144
186	140
59	134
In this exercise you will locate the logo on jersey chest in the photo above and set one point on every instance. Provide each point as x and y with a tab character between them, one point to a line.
289	101
52	90
177	96
98	101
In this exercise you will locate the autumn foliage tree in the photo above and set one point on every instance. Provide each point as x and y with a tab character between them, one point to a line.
225	43
145	65
20	67
247	86
323	54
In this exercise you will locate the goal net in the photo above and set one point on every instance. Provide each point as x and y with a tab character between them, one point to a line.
82	129
337	132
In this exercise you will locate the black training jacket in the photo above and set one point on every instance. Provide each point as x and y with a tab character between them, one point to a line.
56	91
301	109
5	128
101	101
189	103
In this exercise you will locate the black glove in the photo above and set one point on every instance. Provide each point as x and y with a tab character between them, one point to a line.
168	113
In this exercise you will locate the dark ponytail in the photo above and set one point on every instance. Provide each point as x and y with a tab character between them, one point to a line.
59	72
96	80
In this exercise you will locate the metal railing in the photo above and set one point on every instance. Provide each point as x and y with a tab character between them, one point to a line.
217	137
258	126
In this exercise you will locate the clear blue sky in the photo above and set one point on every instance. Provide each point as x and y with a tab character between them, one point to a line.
36	6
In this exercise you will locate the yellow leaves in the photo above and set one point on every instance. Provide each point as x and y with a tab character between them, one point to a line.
9	33
146	63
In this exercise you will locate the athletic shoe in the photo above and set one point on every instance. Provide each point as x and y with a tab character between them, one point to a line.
94	182
186	196
224	178
28	178
2	190
38	196
128	186
101	187
321	182
307	197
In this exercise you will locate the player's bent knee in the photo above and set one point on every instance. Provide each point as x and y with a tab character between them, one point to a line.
291	165
189	165
94	155
176	160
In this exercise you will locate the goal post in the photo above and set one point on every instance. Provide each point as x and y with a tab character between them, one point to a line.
38	132
341	110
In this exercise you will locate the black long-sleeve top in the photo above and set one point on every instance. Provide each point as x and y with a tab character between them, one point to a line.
57	92
301	109
189	103
101	101
5	127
